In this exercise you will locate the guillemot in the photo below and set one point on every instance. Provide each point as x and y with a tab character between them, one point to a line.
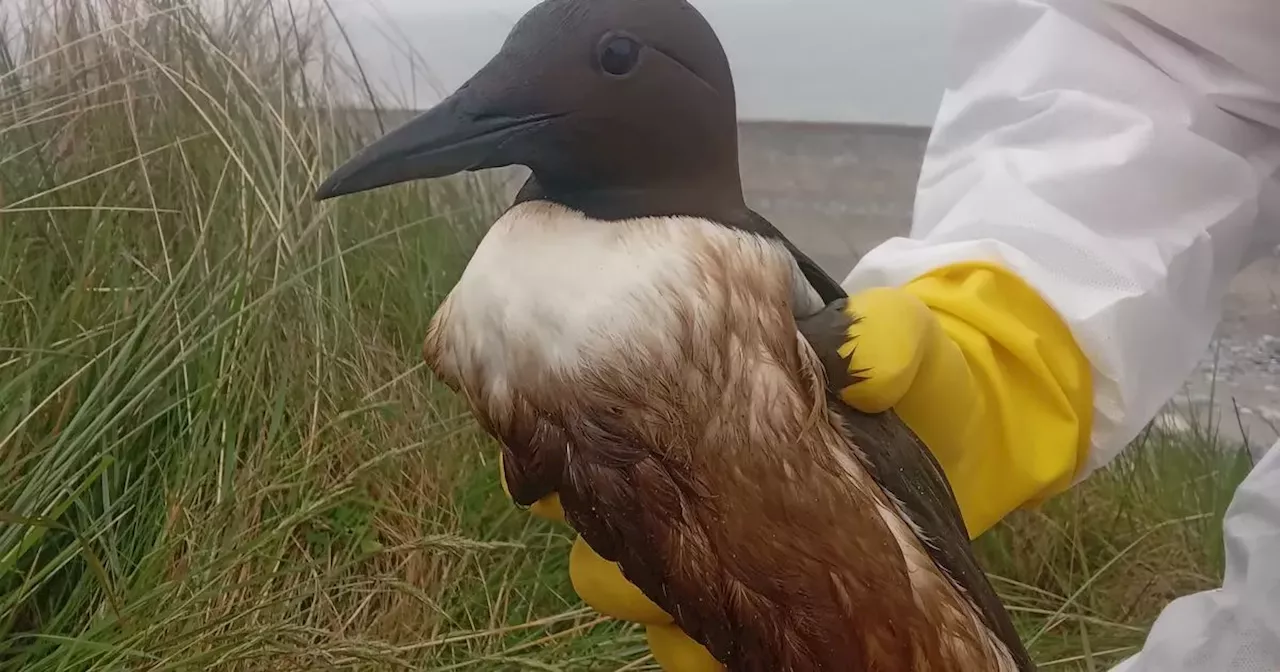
650	349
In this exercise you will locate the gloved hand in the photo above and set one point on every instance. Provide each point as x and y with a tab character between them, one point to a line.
973	361
983	371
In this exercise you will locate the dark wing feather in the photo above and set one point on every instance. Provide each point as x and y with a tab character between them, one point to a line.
905	468
899	461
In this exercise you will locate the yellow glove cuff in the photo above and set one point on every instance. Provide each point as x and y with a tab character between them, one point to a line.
986	374
677	652
602	586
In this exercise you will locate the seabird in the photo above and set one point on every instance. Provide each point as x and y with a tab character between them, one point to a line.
650	349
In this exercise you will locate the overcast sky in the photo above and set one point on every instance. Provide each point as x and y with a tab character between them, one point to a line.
813	60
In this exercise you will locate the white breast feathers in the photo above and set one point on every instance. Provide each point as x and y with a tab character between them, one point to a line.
549	290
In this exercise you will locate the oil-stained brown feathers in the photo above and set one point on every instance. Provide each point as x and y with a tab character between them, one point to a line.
704	468
906	469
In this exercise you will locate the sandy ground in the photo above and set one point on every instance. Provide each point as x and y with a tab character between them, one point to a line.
839	190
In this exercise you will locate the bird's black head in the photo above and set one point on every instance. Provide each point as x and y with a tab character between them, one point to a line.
606	101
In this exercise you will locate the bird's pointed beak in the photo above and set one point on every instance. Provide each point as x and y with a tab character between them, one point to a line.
467	131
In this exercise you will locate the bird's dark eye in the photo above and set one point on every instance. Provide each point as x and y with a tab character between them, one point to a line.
619	55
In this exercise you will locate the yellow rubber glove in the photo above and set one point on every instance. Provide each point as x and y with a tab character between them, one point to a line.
986	374
976	364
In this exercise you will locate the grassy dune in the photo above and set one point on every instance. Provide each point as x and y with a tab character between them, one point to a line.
219	448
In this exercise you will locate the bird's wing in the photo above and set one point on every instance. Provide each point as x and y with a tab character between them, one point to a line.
899	461
764	553
905	468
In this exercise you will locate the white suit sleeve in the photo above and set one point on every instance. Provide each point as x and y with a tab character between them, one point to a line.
1118	162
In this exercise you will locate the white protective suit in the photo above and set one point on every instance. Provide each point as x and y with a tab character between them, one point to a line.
1122	156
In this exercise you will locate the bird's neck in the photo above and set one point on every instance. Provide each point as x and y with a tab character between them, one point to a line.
718	200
